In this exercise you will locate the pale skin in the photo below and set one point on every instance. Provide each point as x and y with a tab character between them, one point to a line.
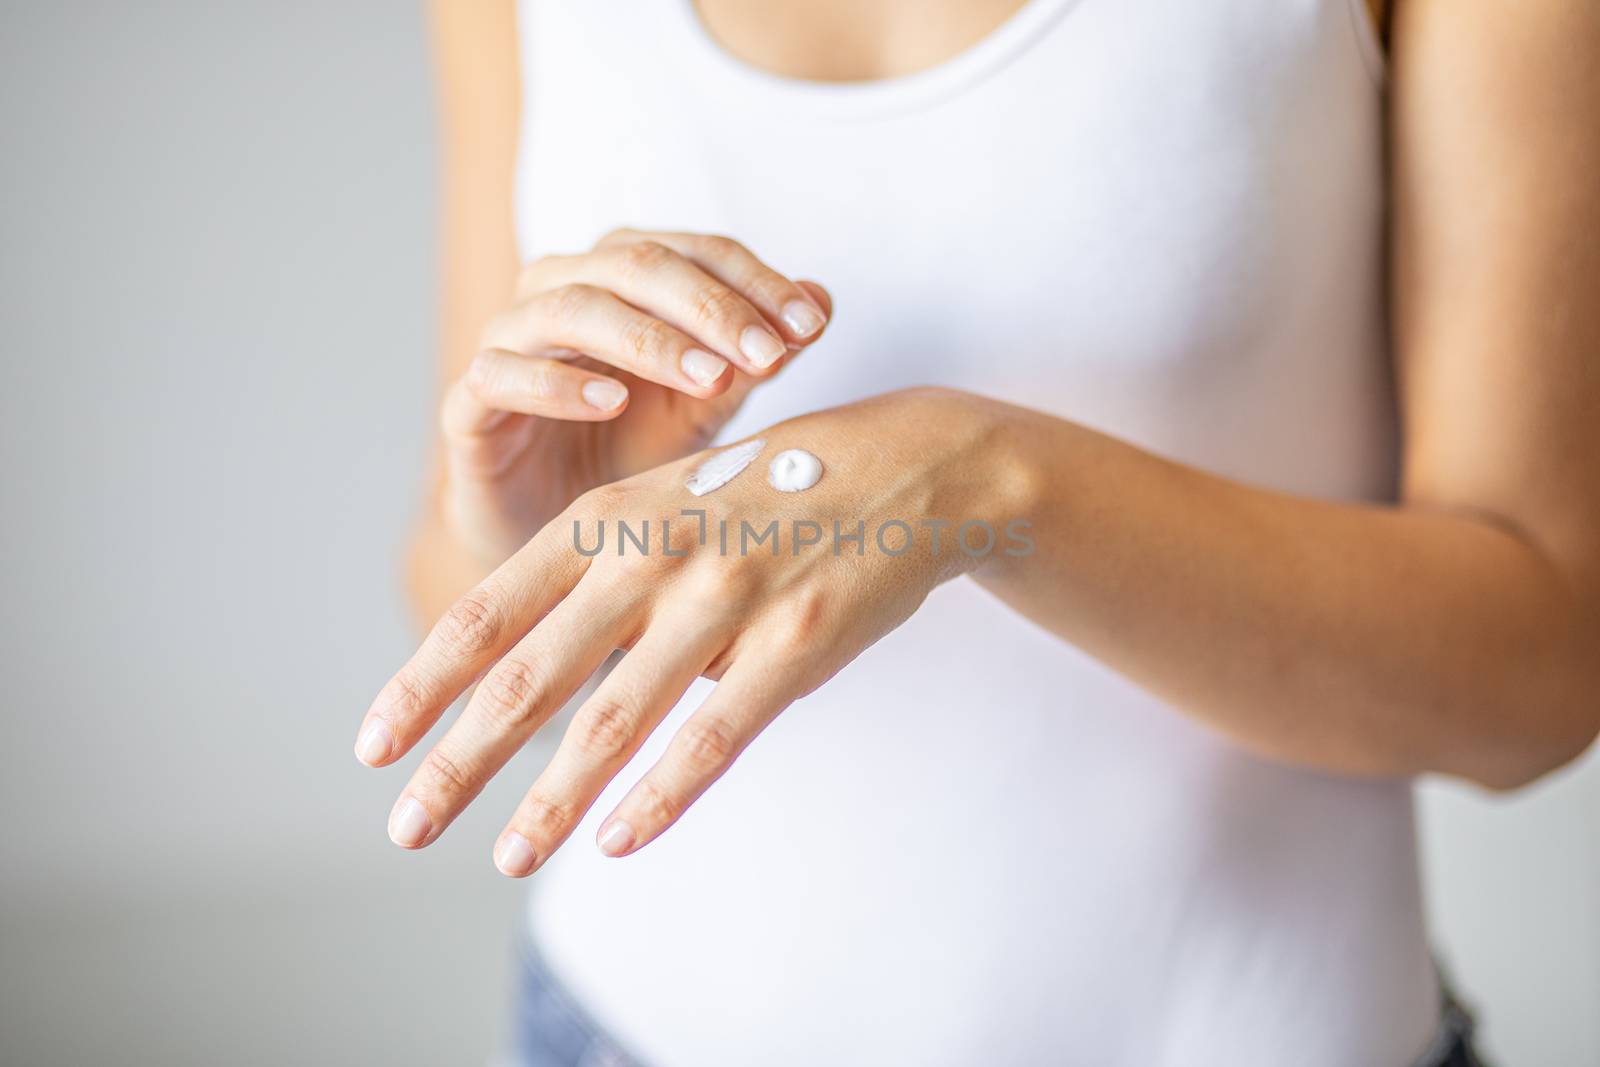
1454	631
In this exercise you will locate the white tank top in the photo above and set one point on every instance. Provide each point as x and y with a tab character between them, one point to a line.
1160	218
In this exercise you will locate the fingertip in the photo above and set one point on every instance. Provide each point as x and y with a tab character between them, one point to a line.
819	295
375	745
514	856
705	370
803	319
616	838
410	825
760	347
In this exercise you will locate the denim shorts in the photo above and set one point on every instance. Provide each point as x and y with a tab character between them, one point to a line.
551	1029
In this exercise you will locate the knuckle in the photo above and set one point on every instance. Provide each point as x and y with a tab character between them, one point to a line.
725	581
718	246
545	816
657	805
617	236
471	626
481	376
406	695
707	743
567	303
604	731
603	501
715	302
801	619
772	288
539	385
786	639
648	340
446	773
643	258
510	695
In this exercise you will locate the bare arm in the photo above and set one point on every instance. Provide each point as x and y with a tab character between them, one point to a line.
1455	632
476	71
1459	632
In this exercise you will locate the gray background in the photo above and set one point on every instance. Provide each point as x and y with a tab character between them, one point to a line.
216	301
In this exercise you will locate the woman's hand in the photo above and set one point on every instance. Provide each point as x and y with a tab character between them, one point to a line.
772	619
611	362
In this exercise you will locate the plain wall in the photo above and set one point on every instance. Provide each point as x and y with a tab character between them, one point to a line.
216	275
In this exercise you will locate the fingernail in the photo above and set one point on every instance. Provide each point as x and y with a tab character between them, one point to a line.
759	346
617	838
409	823
702	367
802	318
374	744
603	393
514	856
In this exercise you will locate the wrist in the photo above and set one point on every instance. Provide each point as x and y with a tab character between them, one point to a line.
1014	482
991	480
477	527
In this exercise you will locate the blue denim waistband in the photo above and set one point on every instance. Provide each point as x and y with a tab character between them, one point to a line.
551	1029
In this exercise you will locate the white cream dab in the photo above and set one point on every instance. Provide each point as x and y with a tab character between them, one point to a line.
723	467
794	470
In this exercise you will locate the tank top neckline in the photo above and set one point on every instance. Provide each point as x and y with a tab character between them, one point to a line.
760	88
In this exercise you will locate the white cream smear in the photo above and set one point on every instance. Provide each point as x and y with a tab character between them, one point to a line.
794	470
723	467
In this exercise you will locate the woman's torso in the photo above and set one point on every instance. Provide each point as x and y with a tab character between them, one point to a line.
1161	218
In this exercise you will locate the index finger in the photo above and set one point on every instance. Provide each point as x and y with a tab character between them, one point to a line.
800	313
476	631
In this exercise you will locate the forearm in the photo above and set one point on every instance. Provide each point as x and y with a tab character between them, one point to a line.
1360	639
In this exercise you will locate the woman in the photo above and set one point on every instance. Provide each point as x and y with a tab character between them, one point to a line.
1284	507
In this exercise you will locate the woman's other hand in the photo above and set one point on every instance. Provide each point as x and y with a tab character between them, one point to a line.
772	619
610	363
